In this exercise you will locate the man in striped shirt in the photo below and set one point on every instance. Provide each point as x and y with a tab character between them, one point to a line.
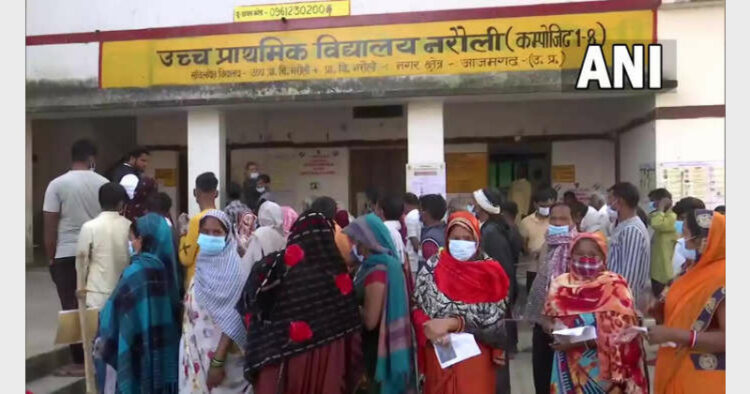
630	251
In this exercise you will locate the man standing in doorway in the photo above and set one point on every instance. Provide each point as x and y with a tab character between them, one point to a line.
263	189
630	254
128	173
71	200
413	231
533	229
249	193
205	193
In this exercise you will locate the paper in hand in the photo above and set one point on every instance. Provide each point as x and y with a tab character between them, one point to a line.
575	334
459	348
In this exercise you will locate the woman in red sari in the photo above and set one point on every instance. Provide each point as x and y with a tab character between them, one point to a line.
461	290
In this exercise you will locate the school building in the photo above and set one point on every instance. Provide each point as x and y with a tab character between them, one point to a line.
386	95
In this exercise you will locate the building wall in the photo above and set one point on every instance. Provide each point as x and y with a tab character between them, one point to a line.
594	162
637	149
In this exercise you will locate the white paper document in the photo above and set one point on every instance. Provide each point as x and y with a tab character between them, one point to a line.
575	334
461	347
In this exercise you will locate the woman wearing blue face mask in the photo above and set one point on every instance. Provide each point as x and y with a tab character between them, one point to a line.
144	305
462	290
213	333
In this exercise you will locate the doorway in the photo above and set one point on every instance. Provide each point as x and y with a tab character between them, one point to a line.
375	172
510	162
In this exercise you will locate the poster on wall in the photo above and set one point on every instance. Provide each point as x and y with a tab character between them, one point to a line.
564	173
700	179
647	178
319	162
424	179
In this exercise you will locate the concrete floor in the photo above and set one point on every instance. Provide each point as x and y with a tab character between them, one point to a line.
42	307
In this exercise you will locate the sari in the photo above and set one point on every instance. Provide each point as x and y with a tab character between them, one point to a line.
389	349
476	291
690	304
136	349
209	313
302	317
602	300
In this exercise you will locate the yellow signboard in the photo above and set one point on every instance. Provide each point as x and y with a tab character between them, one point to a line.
564	174
553	42
310	9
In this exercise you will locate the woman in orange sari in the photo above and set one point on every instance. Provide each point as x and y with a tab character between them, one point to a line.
460	289
694	314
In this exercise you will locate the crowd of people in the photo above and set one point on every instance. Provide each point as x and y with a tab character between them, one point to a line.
257	298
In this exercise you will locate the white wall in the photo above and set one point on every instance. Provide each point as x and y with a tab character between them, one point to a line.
699	36
291	181
637	148
690	140
53	17
594	162
29	195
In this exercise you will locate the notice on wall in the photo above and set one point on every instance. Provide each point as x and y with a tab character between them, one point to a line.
319	162
424	179
647	178
303	10
166	177
564	173
700	179
528	43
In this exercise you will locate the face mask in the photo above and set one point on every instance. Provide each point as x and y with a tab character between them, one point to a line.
462	250
543	211
470	208
587	267
131	250
558	230
690	254
611	212
254	175
678	226
651	206
260	189
356	254
211	244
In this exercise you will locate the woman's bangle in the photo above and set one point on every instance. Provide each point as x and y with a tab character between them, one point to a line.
693	338
216	363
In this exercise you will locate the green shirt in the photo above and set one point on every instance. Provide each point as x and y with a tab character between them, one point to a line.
662	245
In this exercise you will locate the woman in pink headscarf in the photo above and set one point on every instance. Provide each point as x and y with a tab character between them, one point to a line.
290	216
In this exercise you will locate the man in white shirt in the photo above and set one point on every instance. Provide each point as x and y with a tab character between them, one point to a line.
102	252
606	216
413	231
70	200
390	209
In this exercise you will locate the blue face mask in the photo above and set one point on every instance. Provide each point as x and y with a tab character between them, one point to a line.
211	244
678	226
558	230
470	208
131	250
651	206
462	250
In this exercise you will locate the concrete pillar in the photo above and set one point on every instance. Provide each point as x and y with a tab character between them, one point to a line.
29	196
425	132
206	151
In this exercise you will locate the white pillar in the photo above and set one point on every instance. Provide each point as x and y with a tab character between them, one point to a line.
425	132
29	196
425	171
206	151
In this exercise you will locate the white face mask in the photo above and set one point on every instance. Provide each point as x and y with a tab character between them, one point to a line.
462	250
254	175
543	211
260	189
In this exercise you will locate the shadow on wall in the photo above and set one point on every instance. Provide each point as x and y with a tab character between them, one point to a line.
51	142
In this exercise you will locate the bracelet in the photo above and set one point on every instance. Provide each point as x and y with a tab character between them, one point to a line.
216	363
693	338
461	324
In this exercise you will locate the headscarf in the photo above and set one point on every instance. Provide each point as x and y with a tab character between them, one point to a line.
154	226
290	216
267	238
342	218
303	289
608	297
582	271
217	283
691	304
476	281
394	366
558	252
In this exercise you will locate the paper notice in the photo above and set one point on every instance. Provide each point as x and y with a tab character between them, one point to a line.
461	347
